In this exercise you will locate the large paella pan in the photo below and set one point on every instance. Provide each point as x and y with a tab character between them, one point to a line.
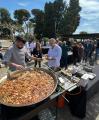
27	87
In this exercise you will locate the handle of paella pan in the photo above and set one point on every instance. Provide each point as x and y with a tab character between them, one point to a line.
65	98
46	66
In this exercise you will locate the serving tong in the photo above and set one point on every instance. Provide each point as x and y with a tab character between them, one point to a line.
9	73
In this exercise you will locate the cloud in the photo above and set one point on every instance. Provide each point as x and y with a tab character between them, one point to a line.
90	9
88	26
23	4
90	4
89	16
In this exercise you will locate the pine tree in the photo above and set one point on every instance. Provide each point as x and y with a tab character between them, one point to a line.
71	19
53	15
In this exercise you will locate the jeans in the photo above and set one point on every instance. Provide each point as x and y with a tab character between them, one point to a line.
37	62
1	56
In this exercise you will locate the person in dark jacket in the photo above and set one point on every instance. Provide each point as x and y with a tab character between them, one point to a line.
81	52
37	52
1	55
75	53
63	62
97	49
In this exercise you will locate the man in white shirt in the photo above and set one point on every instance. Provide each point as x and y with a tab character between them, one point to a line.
30	46
54	54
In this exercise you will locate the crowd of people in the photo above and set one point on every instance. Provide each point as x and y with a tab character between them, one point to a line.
84	51
22	52
17	55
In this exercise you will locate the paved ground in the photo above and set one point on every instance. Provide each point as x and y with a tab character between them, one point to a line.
64	114
5	43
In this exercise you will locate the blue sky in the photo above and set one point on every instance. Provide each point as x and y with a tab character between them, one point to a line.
89	15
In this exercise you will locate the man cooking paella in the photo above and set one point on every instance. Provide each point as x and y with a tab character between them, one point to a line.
16	54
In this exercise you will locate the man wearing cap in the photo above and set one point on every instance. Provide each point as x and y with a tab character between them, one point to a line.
16	54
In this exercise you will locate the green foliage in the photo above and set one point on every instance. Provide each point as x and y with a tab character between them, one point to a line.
4	16
5	32
57	19
49	21
53	16
83	32
39	22
71	19
21	15
46	39
59	10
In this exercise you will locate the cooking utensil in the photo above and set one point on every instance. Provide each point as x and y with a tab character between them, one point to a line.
8	74
29	104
